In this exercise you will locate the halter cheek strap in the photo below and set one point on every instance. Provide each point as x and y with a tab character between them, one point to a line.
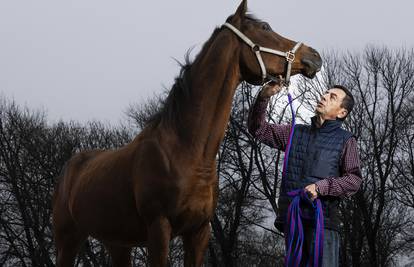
257	49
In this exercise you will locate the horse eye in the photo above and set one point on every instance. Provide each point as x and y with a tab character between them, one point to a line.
266	26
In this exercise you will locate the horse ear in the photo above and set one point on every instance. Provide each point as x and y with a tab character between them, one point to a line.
240	12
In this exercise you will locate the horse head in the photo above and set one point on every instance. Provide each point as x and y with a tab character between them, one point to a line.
265	54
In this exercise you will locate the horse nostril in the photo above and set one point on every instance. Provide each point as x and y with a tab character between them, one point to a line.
314	53
311	63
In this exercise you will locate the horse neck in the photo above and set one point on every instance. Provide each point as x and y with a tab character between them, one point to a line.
215	77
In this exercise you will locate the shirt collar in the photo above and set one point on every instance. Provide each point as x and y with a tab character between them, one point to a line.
327	126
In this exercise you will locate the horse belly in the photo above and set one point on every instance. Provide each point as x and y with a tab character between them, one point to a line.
109	214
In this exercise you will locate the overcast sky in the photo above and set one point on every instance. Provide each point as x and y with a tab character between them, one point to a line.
84	59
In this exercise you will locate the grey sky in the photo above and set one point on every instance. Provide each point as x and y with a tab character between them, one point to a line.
86	60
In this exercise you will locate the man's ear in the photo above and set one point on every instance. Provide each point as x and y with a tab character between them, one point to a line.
342	113
238	17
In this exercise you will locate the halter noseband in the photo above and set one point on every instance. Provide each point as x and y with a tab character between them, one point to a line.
289	56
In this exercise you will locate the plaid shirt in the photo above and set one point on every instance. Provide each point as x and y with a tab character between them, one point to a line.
276	136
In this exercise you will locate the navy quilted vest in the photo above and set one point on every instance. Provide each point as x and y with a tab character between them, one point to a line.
315	154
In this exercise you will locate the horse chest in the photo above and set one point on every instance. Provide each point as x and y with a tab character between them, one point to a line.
195	207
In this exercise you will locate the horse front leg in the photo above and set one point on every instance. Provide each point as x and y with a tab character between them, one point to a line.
120	256
195	246
159	235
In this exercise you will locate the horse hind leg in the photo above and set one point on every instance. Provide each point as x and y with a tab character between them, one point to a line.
68	241
159	235
195	246
120	256
67	237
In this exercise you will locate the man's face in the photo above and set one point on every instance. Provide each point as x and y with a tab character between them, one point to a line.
329	106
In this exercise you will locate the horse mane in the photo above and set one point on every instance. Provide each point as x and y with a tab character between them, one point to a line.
174	106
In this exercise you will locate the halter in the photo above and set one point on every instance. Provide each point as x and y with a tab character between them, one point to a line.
289	56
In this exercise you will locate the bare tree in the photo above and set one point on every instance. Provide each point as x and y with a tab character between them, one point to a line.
32	154
376	224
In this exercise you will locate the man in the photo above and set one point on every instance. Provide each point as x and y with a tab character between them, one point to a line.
323	160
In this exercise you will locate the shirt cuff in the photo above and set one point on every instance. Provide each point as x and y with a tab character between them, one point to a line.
322	187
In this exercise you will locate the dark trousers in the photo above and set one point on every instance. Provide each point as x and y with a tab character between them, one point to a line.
330	247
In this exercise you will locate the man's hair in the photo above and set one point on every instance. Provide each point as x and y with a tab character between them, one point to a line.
348	101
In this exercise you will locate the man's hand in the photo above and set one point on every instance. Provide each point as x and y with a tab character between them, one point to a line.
270	89
311	190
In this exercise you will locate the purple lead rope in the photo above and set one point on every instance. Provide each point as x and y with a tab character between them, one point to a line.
294	235
289	143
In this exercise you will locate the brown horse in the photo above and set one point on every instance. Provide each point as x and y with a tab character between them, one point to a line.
164	184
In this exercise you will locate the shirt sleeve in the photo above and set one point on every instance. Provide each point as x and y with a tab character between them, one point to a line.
350	182
273	135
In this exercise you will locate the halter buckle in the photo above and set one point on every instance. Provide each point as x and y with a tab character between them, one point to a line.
290	56
255	48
